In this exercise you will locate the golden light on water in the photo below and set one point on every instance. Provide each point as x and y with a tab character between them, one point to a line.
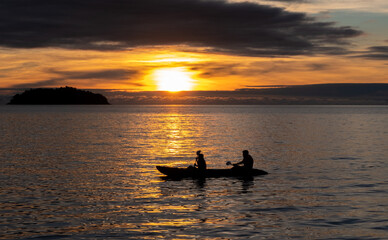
177	134
174	79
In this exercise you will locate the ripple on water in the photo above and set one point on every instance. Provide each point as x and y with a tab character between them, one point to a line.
64	178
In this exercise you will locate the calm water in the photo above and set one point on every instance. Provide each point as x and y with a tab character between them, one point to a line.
88	172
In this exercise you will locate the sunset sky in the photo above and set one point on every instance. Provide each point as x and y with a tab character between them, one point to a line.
147	45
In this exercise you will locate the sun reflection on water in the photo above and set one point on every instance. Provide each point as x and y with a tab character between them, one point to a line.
99	180
175	136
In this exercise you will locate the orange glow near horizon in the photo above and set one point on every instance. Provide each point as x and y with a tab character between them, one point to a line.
174	69
173	79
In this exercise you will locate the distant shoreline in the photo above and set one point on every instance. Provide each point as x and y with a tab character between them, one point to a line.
319	94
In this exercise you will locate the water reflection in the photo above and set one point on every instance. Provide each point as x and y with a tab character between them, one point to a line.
178	134
199	186
175	138
200	183
247	183
77	173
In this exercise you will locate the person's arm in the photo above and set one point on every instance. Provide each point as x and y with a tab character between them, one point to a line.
238	163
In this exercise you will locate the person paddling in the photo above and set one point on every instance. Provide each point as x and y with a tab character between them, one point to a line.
200	162
247	161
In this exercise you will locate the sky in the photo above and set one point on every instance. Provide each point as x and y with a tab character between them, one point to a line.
173	45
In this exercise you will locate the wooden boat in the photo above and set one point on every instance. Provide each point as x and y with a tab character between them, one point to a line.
191	172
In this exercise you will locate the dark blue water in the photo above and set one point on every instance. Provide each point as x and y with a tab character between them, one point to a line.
88	172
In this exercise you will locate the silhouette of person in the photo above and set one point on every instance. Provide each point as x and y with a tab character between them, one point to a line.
247	161
200	162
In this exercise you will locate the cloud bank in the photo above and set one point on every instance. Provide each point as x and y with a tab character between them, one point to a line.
376	53
68	77
244	28
302	94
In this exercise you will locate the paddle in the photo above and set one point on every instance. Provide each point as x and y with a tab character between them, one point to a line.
229	163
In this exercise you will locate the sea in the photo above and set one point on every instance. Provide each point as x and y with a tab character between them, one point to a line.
88	172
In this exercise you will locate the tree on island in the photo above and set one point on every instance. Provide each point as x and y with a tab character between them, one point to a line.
57	96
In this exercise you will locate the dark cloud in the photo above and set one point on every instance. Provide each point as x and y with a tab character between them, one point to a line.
216	69
217	25
211	69
298	1
44	83
318	66
250	87
19	67
111	75
327	90
376	53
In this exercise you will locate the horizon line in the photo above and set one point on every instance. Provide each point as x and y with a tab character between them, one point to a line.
248	87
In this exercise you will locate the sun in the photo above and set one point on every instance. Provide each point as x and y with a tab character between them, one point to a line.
174	79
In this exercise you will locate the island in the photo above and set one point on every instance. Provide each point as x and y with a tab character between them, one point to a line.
58	96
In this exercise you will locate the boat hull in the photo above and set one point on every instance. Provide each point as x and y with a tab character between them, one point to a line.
192	172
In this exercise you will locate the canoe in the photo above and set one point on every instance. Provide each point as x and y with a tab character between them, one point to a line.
192	172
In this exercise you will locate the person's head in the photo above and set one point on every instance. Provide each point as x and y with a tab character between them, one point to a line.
198	152
245	152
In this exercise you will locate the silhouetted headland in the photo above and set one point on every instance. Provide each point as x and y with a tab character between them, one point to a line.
57	96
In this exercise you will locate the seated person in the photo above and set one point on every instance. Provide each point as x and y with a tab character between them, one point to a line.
247	161
200	162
